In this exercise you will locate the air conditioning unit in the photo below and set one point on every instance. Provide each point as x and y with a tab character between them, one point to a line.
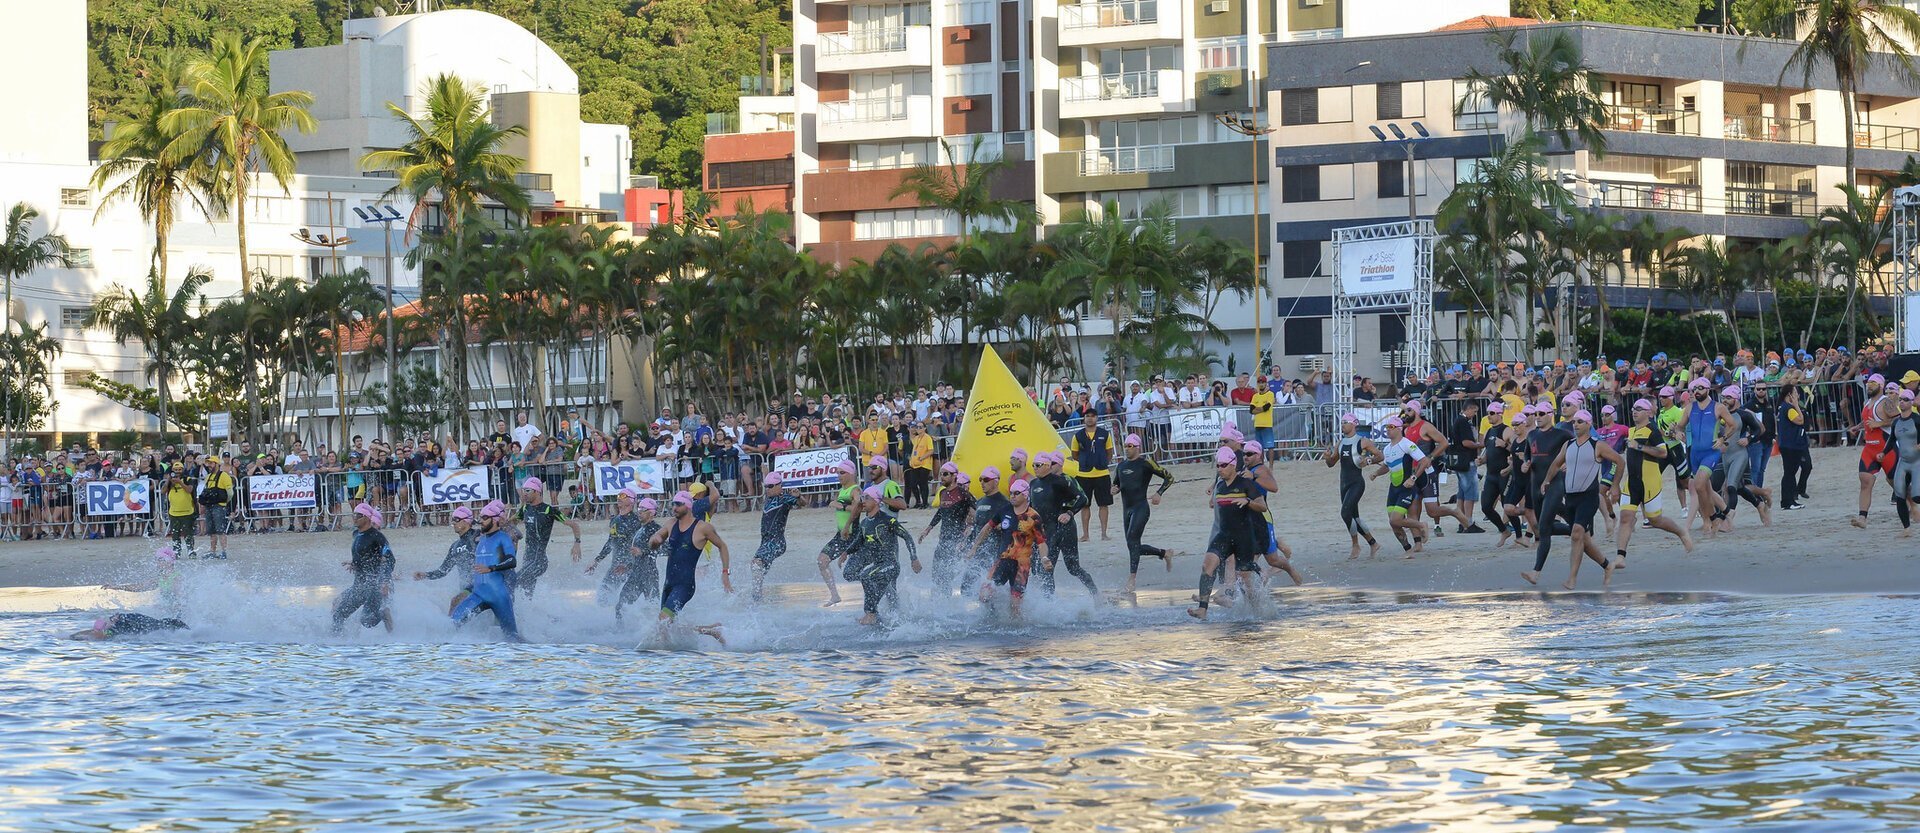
1312	3
1217	6
963	105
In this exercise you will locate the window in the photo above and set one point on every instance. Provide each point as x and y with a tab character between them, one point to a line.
1126	133
1472	109
1299	259
1393	179
750	174
1232	200
1468	170
1223	53
1393	332
73	319
318	216
1114	61
272	266
80	258
971	79
75	198
77	379
1304	336
891	155
1300	106
1387	101
1634	96
1178	202
903	222
274	210
970	13
1300	183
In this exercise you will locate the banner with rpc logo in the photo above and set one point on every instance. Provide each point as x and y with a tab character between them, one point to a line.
648	477
467	485
111	497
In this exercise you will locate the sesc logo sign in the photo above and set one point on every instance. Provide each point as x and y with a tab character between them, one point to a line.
1004	426
114	498
468	485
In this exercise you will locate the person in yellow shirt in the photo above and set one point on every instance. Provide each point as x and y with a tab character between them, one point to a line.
873	439
181	511
1262	409
919	467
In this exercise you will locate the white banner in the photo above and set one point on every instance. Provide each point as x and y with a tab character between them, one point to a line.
1374	420
807	469
648	477
463	485
1913	323
1197	425
281	491
111	497
1372	267
219	426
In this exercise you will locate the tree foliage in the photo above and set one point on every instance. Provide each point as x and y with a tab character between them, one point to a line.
657	66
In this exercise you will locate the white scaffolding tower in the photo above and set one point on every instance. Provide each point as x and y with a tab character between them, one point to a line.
1416	300
1906	268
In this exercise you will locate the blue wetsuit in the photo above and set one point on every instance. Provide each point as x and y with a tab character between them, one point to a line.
492	590
1703	425
682	558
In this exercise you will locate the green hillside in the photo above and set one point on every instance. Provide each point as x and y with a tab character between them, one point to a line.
658	66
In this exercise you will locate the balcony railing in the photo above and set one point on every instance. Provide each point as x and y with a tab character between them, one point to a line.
1886	137
864	110
1110	13
1770	129
1666	120
1145	84
1126	160
1771	201
864	41
1649	196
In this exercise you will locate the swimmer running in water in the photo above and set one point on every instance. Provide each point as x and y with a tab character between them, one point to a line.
372	564
493	565
1402	461
773	529
1641	483
843	527
875	560
951	516
643	581
683	539
1353	454
1131	478
1023	530
1236	510
459	558
621	545
539	517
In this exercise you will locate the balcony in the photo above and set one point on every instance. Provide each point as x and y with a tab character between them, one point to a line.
1649	196
1123	94
1664	120
864	50
1117	22
1126	160
1886	137
876	119
534	182
1770	129
1773	202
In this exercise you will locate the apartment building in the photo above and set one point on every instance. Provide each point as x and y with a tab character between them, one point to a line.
749	152
1704	134
1132	102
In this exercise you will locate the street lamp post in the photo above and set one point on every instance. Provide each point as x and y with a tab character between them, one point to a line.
386	216
1251	128
1405	142
332	243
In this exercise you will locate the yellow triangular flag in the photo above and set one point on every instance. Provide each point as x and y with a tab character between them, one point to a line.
1000	418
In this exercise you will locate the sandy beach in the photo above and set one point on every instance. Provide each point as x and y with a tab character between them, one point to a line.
1814	550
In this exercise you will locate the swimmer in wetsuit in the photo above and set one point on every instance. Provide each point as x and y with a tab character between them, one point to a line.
682	540
539	517
124	624
952	517
622	527
493	565
875	560
979	559
643	581
459	560
1641	483
842	541
1131	478
1353	454
372	566
774	509
1023	530
1236	508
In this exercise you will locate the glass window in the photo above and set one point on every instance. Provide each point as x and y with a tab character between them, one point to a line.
1304	336
903	222
1223	53
1468	170
1393	331
1300	183
1392	179
272	266
1300	258
322	213
1232	200
1472	109
73	319
1300	106
971	79
1387	101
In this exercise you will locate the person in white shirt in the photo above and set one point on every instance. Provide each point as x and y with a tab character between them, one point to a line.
1191	394
524	433
922	406
1136	404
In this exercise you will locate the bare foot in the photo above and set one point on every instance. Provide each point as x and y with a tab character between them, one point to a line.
1607	577
831	602
1531	576
713	631
1353	552
1687	541
1085	539
1199	613
1568	585
1374	552
870	619
1168	558
1858	522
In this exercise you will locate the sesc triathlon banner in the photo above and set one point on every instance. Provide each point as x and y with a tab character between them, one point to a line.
464	485
1197	425
281	491
648	477
808	469
111	497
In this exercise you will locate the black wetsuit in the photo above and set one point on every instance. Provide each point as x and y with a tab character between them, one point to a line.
1053	496
459	560
643	580
875	561
1496	485
951	517
1353	485
1132	477
621	529
1234	542
123	624
1542	446
773	528
533	551
372	564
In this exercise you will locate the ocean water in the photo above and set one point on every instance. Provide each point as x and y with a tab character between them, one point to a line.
1320	710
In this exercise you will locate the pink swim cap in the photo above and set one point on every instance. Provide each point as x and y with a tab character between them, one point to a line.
1018	454
649	505
990	473
1226	456
1019	487
1132	439
1230	431
1496	408
463	514
1642	405
371	513
878	460
683	497
1730	392
846	467
1668	391
630	492
1413	405
1393	421
166	552
960	478
532	484
493	509
949	467
1607	409
1583	415
1350	418
875	493
1250	448
773	478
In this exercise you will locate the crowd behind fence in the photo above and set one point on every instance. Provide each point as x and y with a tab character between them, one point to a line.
586	489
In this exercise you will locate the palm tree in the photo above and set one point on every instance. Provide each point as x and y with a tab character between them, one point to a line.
135	163
1843	35
965	190
27	385
1505	209
1855	238
1119	260
230	120
21	254
453	156
1548	82
161	321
